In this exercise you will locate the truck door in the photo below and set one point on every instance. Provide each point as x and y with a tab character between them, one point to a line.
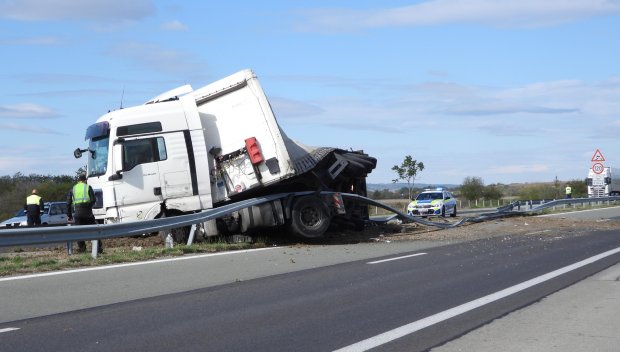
140	187
174	168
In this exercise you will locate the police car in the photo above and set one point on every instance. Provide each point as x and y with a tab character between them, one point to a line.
433	202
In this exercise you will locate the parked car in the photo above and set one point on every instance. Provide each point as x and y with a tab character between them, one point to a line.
433	202
54	213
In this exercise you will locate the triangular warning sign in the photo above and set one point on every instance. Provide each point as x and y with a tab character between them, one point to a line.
598	156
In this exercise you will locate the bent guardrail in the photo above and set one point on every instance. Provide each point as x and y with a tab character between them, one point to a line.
45	235
32	236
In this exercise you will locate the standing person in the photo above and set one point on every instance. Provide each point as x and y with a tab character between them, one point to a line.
33	208
569	192
80	208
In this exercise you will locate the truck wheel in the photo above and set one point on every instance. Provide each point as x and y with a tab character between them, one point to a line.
309	218
179	234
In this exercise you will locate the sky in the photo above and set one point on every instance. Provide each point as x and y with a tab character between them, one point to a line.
508	91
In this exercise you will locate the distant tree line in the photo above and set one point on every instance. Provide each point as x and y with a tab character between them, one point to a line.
14	190
473	188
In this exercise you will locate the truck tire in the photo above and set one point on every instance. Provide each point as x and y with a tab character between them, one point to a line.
179	234
309	218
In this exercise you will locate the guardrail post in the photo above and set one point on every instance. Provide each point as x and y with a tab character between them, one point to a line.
69	247
192	232
94	245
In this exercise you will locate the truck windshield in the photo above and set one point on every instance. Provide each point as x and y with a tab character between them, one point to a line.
98	156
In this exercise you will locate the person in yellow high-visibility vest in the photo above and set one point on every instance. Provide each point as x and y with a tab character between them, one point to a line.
569	192
80	203
33	208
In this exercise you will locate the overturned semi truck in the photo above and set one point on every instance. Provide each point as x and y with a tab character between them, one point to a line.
187	150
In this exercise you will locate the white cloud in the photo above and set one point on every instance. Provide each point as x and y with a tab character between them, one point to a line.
57	164
519	169
174	26
55	78
71	93
570	98
289	108
91	10
29	129
33	41
155	57
26	111
541	109
500	13
509	129
500	108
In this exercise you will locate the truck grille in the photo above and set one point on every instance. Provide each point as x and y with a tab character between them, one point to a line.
598	192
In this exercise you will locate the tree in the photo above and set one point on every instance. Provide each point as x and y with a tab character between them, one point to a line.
537	192
14	190
556	186
579	188
472	188
492	192
408	171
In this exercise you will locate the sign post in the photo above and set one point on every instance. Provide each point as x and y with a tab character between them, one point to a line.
598	180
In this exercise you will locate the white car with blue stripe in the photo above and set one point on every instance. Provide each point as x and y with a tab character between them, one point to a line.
433	202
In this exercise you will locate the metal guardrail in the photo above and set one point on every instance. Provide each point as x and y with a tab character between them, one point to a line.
36	235
45	235
39	235
539	205
513	209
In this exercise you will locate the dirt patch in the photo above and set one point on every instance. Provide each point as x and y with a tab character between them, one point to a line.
528	226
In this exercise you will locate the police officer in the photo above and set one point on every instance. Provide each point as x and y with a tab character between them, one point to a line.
33	208
569	192
81	200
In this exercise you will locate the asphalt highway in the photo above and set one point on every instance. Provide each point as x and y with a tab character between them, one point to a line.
407	299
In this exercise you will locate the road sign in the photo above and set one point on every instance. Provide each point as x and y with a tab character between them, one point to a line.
598	168
598	156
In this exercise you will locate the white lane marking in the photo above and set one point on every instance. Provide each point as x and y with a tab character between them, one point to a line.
410	328
8	329
397	258
130	264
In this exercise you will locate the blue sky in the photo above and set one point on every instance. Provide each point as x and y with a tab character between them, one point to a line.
509	91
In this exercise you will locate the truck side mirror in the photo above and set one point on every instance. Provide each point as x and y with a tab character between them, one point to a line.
77	153
117	158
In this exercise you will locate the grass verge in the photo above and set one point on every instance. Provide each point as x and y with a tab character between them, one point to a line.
53	259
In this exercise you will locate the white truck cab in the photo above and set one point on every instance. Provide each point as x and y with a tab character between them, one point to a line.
606	183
